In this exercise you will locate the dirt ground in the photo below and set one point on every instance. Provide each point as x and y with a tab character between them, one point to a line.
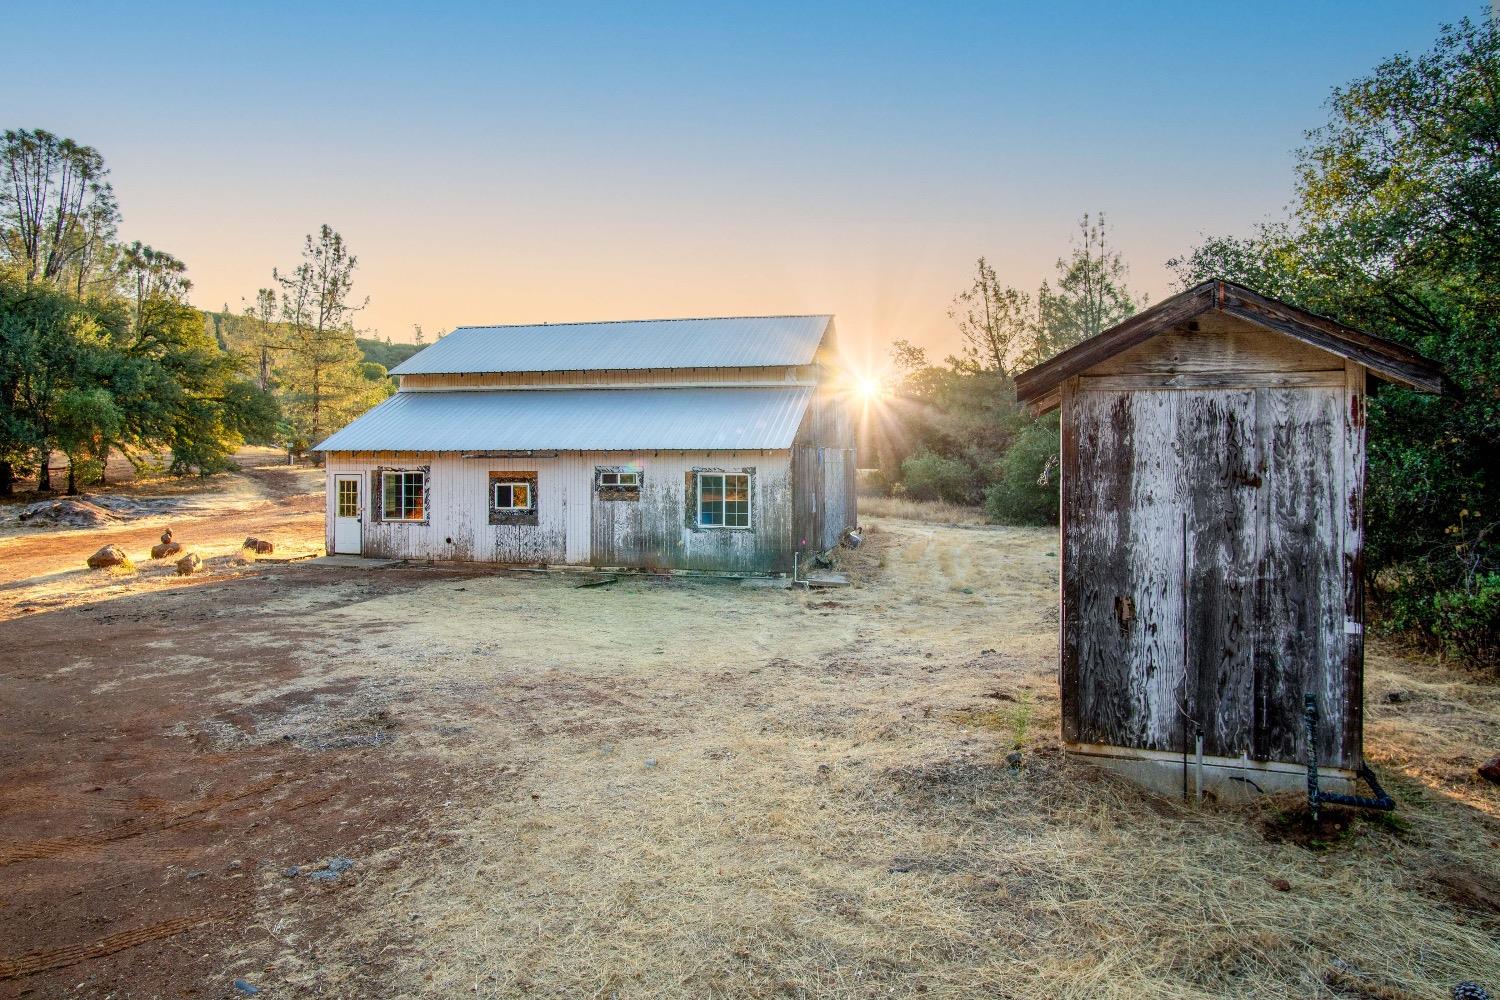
663	788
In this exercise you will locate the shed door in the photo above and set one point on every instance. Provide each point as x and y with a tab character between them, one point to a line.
1202	561
348	512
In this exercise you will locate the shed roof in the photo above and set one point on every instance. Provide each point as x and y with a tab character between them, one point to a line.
1384	358
603	419
727	342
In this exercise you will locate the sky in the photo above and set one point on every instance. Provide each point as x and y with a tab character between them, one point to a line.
548	162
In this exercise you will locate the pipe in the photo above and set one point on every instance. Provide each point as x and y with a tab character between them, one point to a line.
1382	800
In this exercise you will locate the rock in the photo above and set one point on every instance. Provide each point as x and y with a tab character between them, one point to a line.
650	761
244	986
261	547
1469	990
110	555
166	536
1490	769
1397	697
166	548
323	876
189	564
292	872
339	864
1013	759
67	512
1280	884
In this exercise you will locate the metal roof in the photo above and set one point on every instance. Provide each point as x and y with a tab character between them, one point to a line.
697	419
729	342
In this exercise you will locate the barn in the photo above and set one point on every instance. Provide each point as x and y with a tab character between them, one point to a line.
719	445
1212	463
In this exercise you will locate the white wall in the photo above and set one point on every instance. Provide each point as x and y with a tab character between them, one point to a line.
458	525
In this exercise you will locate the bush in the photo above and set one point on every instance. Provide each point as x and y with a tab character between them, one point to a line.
1026	488
933	477
1461	623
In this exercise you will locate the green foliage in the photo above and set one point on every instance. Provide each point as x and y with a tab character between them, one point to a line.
932	477
1462	622
1026	489
385	353
1090	296
1397	231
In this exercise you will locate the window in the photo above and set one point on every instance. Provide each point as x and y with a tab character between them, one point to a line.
723	499
623	483
348	498
403	496
511	495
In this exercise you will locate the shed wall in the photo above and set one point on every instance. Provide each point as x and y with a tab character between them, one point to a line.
1212	530
573	525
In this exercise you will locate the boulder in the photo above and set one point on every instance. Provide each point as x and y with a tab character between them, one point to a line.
166	536
189	564
68	513
1490	769
259	546
166	548
110	555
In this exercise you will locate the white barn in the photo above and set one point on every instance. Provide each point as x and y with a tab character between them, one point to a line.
711	445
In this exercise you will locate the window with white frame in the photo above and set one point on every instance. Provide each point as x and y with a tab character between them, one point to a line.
514	496
723	500
403	495
619	479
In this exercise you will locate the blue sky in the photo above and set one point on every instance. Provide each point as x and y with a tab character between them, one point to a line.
497	163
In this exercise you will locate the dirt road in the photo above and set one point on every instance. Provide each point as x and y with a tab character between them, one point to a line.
673	788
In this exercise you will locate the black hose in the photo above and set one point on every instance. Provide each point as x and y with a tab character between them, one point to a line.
1315	797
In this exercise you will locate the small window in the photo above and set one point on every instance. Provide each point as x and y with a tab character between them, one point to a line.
512	495
617	483
723	500
403	496
348	498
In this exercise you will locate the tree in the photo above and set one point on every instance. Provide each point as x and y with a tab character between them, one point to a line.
994	320
267	336
323	383
86	420
1090	296
57	210
1396	230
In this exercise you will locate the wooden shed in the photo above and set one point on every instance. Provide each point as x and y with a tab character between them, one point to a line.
1212	521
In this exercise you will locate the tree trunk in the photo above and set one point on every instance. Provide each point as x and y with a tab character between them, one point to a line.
7	480
72	490
103	465
44	471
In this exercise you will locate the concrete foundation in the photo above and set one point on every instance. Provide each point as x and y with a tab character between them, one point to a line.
1224	779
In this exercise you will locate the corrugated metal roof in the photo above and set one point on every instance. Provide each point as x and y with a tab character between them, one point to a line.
699	419
730	342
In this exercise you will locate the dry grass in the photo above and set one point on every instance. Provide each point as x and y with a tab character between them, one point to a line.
830	812
926	511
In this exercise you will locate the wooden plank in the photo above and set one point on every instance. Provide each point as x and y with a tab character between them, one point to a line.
1071	488
1300	609
1353	556
1213	380
1216	436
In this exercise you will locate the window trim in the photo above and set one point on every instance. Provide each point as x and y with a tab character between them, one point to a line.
529	485
380	501
724	475
616	490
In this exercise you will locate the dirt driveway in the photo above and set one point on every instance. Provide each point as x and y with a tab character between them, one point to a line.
676	788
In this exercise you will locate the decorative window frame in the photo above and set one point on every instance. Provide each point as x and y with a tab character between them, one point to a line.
613	492
690	499
497	516
377	494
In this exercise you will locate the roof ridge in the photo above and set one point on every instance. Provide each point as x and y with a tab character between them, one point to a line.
626	322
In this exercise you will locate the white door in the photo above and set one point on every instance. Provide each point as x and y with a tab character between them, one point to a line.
347	514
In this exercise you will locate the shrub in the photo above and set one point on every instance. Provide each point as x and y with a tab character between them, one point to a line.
933	477
1462	623
1026	487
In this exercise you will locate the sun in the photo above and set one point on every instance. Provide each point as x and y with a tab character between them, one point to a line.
867	388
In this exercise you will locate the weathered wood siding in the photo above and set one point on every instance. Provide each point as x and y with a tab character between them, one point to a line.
573	526
1212	530
824	483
